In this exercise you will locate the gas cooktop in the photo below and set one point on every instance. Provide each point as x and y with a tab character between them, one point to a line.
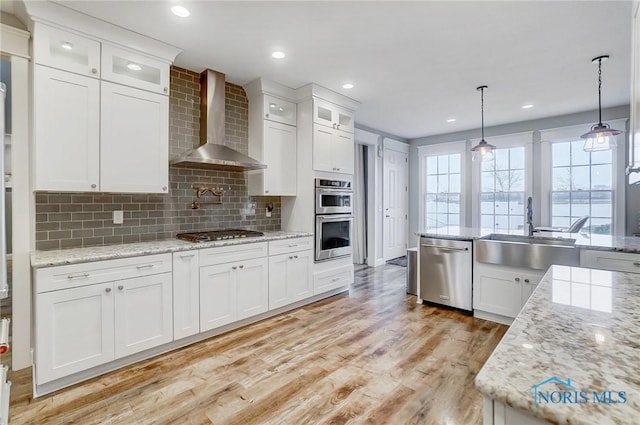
218	235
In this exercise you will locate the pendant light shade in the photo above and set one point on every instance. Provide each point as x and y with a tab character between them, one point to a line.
483	151
601	137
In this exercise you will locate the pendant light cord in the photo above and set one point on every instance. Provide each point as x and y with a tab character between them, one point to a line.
482	111
600	92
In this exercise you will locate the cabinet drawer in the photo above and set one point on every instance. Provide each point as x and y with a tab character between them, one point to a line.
134	69
227	254
75	275
616	261
332	279
290	245
64	50
279	110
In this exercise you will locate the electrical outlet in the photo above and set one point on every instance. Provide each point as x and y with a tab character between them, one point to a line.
267	212
118	217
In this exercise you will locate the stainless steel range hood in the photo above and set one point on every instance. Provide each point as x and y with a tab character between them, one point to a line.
212	153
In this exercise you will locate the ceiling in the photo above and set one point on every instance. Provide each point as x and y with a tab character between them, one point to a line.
414	64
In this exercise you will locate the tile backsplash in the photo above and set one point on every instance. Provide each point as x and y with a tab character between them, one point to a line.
65	220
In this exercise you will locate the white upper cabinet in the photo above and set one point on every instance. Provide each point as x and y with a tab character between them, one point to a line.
326	113
134	153
67	131
279	155
134	69
279	110
65	50
92	135
333	150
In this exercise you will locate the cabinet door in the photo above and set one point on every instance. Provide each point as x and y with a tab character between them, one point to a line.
74	330
606	260
144	316
134	69
279	110
67	131
280	156
343	151
529	283
300	275
323	148
499	294
278	281
345	121
217	296
134	148
252	286
324	113
64	50
186	294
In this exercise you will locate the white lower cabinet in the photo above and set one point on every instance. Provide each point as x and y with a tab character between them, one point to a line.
143	318
503	291
333	278
233	291
186	294
290	278
610	260
74	330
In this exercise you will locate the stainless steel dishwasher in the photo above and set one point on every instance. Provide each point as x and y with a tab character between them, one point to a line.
445	272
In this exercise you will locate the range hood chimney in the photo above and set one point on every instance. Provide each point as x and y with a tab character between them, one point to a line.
212	154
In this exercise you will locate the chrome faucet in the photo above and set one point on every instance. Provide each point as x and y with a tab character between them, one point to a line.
530	215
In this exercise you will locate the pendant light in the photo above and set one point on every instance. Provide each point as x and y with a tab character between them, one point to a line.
601	137
483	151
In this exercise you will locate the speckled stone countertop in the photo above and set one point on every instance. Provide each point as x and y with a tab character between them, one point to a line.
109	252
579	324
600	242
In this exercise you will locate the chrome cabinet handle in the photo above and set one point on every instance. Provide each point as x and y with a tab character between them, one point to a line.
121	287
146	266
295	256
335	279
234	267
107	290
241	266
526	281
636	263
266	115
293	246
187	255
94	71
93	186
78	276
338	126
164	188
166	89
517	279
334	125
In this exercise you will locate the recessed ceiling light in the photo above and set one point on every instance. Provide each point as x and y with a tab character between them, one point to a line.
66	45
451	120
180	11
278	55
347	86
527	106
134	66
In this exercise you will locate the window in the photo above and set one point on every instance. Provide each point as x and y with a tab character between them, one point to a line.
502	190
582	184
443	190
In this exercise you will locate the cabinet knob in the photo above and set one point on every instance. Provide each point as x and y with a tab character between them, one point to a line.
636	263
338	126
334	125
94	71
295	256
526	281
107	290
164	188
266	115
266	191
93	186
234	267
241	266
517	279
121	287
291	257
166	89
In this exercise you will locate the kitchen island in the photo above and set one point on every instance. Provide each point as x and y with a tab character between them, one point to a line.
572	355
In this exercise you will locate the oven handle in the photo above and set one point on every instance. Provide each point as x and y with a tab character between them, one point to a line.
335	191
335	217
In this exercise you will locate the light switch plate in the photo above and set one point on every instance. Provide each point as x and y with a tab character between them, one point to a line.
118	217
267	212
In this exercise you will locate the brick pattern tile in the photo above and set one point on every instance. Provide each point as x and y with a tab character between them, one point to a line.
66	220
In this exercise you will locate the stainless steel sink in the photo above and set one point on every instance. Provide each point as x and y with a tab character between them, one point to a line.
531	252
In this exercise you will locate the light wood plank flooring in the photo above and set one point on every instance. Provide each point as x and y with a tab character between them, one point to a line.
372	356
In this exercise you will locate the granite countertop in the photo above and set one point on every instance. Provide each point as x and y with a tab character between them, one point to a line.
629	244
579	324
110	252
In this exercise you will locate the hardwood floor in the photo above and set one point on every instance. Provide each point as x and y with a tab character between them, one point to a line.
372	356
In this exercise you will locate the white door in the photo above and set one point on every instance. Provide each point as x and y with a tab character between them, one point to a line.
217	296
186	294
279	155
66	113
395	203
74	330
252	285
134	145
143	313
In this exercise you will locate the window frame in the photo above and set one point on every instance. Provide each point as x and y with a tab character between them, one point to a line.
448	148
524	139
618	161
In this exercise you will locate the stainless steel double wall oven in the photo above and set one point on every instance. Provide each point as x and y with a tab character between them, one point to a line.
334	218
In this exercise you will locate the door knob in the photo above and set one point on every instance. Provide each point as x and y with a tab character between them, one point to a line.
387	216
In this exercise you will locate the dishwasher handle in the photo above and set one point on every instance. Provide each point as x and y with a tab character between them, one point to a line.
445	248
